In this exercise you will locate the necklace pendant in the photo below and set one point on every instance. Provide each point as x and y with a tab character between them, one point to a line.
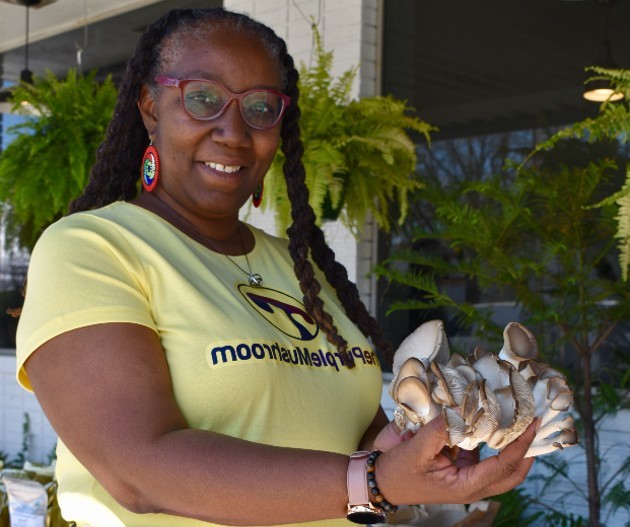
255	280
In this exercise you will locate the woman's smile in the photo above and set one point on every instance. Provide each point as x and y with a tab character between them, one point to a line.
222	168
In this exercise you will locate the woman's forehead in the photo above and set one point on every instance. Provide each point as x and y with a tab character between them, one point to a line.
221	52
209	36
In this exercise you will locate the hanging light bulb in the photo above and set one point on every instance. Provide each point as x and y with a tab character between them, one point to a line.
30	3
26	75
601	90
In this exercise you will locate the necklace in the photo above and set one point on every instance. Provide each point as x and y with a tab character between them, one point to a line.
254	279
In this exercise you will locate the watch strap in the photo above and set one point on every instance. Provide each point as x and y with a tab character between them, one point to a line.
357	479
360	510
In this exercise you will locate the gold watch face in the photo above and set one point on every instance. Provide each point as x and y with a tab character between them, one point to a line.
365	515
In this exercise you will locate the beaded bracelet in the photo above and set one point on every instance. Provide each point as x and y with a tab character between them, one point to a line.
378	499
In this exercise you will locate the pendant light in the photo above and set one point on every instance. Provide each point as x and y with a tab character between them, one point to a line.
26	75
600	90
30	3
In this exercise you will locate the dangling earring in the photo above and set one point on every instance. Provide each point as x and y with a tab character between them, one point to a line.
257	195
150	168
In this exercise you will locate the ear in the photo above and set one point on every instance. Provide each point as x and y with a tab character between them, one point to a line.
148	110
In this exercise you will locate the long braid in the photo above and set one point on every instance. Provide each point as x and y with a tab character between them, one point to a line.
303	216
348	294
305	238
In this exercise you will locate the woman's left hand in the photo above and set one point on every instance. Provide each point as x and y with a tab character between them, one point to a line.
390	436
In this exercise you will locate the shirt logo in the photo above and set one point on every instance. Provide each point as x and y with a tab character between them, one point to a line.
282	311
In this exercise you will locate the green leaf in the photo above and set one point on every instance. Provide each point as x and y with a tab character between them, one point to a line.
48	162
612	123
359	156
618	497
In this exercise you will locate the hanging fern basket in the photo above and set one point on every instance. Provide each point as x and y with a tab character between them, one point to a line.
358	154
48	162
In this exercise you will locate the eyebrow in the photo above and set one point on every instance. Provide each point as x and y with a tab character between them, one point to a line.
206	75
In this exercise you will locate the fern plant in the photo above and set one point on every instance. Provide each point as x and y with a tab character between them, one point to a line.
533	240
358	154
612	122
48	162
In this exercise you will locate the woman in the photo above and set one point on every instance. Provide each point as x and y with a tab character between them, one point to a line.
190	376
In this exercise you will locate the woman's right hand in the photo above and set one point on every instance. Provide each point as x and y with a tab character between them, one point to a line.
418	470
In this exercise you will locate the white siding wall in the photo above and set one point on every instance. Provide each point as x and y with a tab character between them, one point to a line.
14	403
349	27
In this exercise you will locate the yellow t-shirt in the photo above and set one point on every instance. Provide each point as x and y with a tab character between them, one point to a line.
246	362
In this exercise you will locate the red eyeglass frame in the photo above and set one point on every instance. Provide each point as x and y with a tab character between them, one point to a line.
180	83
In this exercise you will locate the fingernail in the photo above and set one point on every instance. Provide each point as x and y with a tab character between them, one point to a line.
406	435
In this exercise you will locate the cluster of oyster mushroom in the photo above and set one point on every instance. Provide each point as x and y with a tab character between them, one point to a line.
484	397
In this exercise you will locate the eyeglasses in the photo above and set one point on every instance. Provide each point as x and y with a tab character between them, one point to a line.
205	100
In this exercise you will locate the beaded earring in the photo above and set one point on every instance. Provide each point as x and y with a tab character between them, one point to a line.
150	168
257	195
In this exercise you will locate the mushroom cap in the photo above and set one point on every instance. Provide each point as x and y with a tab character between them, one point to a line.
495	371
427	343
518	344
468	372
455	360
562	421
544	371
559	394
412	367
558	441
525	369
413	397
518	404
481	413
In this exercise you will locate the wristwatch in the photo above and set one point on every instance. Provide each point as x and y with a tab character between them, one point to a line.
360	510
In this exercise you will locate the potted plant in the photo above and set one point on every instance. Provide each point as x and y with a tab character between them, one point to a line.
48	162
358	154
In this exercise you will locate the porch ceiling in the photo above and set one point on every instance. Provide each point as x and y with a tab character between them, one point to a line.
467	67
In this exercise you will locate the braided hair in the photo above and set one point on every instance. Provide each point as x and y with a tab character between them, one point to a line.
115	173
